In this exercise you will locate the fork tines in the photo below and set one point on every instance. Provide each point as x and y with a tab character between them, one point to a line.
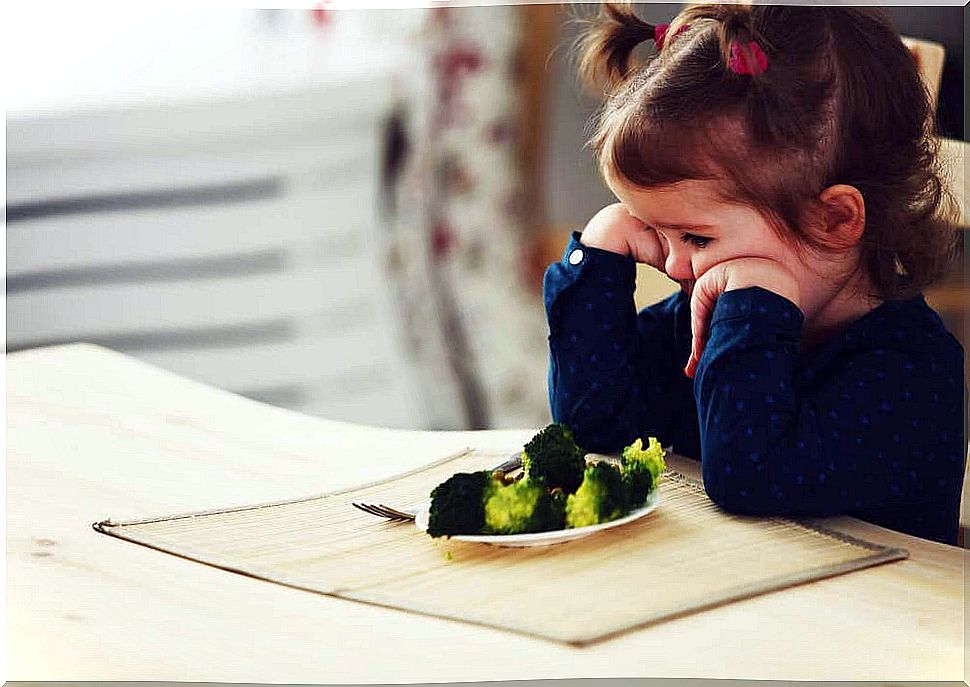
382	511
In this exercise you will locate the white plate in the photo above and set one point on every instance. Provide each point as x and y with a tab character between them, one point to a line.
543	538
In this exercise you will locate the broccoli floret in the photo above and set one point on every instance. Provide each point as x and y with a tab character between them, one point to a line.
600	498
641	468
557	510
553	456
638	482
651	457
520	507
458	504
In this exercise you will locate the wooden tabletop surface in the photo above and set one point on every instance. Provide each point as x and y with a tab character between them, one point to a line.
93	434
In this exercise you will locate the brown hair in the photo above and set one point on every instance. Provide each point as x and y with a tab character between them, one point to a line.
841	102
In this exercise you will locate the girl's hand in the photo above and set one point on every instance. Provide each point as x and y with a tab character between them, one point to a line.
616	230
727	276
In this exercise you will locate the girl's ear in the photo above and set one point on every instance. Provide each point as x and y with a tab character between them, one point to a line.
843	217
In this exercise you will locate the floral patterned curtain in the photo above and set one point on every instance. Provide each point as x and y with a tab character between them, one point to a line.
474	331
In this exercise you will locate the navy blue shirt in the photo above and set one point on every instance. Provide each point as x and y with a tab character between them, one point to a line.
868	423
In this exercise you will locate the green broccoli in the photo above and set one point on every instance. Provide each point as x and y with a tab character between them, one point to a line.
458	504
600	498
552	455
557	509
523	506
651	457
638	482
641	470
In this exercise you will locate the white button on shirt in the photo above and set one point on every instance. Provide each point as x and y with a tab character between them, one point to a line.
576	257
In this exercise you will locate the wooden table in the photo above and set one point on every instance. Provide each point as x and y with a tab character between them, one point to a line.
93	434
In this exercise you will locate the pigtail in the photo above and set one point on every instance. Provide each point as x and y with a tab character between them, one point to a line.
605	48
743	50
748	59
779	98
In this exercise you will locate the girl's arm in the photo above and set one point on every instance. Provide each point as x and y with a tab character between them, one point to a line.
615	375
870	424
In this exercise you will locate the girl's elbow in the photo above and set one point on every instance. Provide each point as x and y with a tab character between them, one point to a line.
729	499
732	495
763	499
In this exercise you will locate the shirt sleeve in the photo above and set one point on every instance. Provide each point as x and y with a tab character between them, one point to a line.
871	426
612	376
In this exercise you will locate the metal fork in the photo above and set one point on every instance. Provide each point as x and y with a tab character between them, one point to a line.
394	515
383	511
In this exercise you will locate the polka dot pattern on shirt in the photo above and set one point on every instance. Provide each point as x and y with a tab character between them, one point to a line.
866	422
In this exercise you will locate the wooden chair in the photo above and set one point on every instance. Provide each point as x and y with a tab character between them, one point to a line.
929	58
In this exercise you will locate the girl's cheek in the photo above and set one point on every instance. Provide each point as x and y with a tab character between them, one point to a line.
705	261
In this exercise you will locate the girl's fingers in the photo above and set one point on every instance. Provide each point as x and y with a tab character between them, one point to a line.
691	366
706	291
645	247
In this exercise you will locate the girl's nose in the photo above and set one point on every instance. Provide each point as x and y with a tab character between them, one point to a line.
677	265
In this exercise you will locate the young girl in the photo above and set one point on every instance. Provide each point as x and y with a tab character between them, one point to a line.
778	163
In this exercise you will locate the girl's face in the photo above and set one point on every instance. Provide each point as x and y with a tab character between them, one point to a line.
697	230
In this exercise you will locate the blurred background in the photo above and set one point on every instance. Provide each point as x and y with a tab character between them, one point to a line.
342	212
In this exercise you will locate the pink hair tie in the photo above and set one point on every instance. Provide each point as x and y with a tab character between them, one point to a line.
660	33
741	64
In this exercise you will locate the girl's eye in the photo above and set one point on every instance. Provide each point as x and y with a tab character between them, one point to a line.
699	241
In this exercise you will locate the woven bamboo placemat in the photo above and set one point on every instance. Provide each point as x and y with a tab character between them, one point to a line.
684	557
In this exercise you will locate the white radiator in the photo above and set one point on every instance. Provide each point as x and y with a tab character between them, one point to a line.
235	241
